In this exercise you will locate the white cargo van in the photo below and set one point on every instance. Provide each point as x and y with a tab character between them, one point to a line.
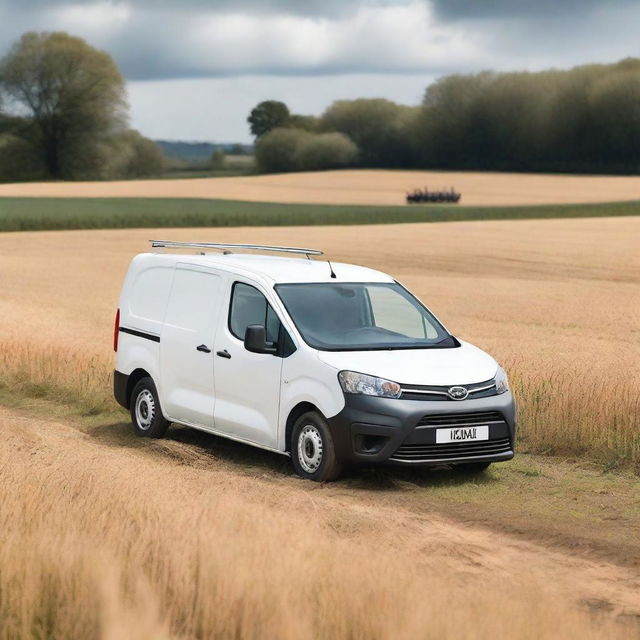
331	364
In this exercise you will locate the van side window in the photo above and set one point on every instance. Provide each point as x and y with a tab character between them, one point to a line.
249	306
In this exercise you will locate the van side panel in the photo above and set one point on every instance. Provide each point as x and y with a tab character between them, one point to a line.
143	302
187	346
135	352
148	298
145	293
307	379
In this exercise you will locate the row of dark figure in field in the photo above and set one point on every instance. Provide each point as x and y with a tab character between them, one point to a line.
444	195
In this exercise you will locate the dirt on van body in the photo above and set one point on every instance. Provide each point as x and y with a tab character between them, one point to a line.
365	187
194	536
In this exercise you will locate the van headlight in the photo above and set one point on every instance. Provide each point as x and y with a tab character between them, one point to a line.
502	382
352	382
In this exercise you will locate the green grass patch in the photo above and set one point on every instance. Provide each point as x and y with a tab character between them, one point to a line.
35	214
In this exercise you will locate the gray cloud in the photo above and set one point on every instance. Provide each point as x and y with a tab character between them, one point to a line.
169	39
195	67
261	7
543	10
162	42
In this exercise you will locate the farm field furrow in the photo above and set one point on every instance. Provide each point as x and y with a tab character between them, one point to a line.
356	187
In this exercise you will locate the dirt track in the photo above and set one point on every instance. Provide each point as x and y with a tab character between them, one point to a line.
366	187
395	519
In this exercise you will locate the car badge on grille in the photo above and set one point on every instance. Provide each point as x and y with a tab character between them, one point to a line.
458	393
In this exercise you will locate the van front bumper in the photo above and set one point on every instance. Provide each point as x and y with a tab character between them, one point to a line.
379	430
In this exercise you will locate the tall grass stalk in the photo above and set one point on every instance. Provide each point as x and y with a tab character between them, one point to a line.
561	411
100	544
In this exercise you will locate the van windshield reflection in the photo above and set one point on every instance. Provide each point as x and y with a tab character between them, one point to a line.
362	316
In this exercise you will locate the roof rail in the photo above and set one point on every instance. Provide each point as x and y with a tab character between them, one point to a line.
170	244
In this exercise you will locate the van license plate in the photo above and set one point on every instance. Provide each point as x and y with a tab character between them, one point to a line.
462	434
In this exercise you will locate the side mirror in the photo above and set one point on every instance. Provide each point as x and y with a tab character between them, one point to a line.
255	340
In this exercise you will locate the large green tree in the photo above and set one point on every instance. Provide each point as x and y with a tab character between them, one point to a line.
581	119
136	156
287	149
380	128
73	97
268	115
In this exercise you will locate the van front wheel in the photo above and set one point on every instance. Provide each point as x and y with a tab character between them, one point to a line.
312	450
146	414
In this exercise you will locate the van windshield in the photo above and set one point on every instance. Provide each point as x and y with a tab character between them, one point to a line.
362	316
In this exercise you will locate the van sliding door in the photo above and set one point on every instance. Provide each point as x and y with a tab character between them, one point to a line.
186	346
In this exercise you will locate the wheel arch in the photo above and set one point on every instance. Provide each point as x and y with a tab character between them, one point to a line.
134	377
300	409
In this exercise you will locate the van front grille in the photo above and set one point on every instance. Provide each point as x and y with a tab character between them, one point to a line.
440	393
461	419
451	451
420	445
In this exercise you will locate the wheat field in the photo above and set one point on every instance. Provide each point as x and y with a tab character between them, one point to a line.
556	302
104	536
114	542
356	187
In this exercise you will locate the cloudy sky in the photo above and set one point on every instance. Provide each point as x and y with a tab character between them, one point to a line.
195	68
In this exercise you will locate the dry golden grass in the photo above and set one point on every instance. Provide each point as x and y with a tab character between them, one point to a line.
102	535
556	302
111	542
374	187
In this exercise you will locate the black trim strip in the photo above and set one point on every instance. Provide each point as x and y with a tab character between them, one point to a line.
140	334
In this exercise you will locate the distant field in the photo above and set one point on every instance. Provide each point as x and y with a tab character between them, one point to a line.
356	187
34	214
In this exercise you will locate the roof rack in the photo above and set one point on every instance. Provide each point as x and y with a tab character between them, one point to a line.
170	244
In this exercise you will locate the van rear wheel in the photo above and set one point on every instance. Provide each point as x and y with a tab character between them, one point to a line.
146	414
312	449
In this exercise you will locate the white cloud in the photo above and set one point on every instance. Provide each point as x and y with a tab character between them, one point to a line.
98	19
233	53
162	39
163	42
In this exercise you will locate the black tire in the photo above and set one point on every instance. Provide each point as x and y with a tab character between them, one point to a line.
472	467
146	414
312	449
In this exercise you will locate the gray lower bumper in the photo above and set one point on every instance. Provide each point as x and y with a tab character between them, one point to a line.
378	430
120	382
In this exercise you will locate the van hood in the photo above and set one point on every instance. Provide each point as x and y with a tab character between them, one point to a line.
447	367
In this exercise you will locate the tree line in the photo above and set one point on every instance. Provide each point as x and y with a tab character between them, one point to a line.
64	115
585	119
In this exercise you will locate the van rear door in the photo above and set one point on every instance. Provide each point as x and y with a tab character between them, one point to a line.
186	345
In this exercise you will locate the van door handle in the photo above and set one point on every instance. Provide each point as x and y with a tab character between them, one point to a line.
224	354
203	348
